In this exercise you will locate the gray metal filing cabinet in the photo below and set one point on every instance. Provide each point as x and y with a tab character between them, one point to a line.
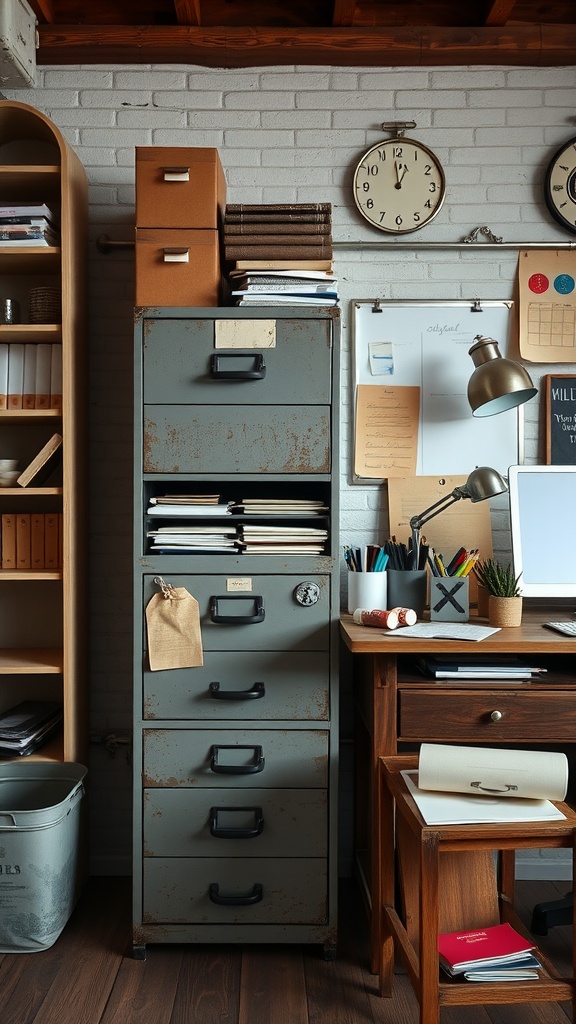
235	782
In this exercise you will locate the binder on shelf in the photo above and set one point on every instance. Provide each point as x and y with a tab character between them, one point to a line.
15	375
37	560
43	464
3	376
8	541
51	541
23	540
42	389
56	377
29	383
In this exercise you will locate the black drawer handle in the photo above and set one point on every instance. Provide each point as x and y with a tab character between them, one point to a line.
255	693
258	373
219	832
237	769
235	901
237	620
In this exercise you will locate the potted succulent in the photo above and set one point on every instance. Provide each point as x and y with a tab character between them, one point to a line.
504	594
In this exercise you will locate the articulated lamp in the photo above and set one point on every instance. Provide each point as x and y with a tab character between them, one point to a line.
497	384
482	483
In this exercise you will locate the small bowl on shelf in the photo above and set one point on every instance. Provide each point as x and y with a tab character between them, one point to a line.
8	465
9	478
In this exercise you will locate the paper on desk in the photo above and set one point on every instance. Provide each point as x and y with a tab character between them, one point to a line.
445	631
457	809
484	771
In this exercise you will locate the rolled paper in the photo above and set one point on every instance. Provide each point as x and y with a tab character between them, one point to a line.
493	772
376	617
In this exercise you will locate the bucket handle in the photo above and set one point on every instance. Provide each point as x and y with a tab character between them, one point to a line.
73	797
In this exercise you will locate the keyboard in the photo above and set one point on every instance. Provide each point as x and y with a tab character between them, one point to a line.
567	628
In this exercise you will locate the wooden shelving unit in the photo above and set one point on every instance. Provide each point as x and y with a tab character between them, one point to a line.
43	613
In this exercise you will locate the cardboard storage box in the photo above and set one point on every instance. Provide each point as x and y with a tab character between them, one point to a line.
40	804
179	187
177	268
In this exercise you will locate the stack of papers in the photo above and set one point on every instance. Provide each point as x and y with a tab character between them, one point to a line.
281	506
284	287
495	953
297	540
27	726
190	537
459	668
188	505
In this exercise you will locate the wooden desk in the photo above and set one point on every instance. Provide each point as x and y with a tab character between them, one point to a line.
397	709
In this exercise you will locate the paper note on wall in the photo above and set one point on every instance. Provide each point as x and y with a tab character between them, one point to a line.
547	288
386	442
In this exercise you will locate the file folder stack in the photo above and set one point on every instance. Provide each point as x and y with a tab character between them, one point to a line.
27	726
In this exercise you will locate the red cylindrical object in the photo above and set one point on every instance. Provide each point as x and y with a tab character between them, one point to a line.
406	616
376	617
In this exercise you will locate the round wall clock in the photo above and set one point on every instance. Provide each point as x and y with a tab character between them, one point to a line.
560	186
399	184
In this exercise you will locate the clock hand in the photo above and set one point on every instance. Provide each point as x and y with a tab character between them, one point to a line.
400	172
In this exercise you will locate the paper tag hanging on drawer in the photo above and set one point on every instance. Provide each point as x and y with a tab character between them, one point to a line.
173	625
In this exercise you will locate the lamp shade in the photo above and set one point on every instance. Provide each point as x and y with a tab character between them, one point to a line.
497	384
484	482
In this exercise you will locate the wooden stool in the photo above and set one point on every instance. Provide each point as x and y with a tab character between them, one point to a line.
449	881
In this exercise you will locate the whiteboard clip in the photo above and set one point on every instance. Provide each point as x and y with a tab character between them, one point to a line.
476	306
377	308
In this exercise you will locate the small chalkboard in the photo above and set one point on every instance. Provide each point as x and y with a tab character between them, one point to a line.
560	409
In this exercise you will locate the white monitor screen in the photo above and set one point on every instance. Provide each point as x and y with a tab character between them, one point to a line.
542	509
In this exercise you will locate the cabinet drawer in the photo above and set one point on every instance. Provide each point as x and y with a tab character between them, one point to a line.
177	890
263	823
467	717
177	268
254	685
219	758
179	186
183	366
256	613
238	439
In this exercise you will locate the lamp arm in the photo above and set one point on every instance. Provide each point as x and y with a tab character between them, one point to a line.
417	522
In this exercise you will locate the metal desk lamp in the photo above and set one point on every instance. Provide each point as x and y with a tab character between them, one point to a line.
483	482
497	384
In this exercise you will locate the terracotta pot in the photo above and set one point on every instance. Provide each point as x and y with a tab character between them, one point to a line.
504	611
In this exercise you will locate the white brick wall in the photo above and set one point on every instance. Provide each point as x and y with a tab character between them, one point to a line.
284	135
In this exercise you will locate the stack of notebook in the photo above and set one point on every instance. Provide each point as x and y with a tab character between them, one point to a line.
27	726
280	254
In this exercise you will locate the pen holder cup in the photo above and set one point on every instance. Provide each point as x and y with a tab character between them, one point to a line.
449	599
366	590
407	589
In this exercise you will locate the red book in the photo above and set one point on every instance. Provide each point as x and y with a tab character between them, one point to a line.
497	944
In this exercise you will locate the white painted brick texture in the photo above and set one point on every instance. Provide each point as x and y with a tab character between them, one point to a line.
285	135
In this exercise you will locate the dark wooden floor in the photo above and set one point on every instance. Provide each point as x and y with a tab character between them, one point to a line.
89	976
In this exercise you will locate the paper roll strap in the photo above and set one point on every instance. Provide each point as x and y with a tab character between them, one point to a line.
173	626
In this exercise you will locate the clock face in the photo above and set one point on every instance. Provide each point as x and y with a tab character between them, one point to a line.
399	185
560	186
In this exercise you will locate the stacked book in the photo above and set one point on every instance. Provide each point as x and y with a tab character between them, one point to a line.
27	726
495	953
280	252
25	224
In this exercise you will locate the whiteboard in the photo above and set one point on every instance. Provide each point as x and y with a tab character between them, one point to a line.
426	344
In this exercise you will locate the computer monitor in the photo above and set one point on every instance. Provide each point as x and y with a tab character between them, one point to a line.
542	515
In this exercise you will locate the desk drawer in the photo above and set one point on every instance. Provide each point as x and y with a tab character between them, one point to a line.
243	439
454	716
292	890
251	685
184	364
256	613
233	823
247	759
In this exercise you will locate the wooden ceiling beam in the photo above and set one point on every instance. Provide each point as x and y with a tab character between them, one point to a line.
188	12
535	45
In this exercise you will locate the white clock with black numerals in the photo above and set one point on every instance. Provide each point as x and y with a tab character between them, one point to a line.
399	184
560	186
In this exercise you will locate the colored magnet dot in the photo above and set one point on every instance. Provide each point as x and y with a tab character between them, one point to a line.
538	283
564	284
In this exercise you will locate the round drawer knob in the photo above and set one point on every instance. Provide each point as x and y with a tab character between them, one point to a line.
496	716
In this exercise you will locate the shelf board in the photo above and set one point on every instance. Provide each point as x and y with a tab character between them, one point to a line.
31	332
26	575
29	260
29	415
30	661
34	492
